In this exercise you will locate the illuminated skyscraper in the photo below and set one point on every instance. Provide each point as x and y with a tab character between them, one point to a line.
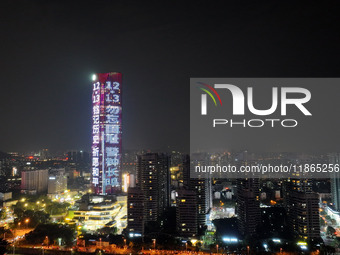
106	132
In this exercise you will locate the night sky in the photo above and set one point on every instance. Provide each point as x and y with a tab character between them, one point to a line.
50	49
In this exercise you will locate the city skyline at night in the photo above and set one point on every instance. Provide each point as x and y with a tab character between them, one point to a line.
180	127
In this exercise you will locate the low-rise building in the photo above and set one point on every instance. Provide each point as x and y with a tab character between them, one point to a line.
96	212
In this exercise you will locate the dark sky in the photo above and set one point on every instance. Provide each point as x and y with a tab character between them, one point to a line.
49	49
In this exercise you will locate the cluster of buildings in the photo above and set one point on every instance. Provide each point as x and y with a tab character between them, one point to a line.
300	214
153	182
151	196
297	209
160	181
38	181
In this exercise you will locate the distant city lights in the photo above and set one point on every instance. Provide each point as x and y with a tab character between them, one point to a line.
230	239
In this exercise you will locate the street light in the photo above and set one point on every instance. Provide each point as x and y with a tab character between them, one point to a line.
14	247
217	248
186	246
47	242
154	244
125	243
26	221
248	249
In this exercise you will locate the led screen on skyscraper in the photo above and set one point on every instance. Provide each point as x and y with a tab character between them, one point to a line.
106	132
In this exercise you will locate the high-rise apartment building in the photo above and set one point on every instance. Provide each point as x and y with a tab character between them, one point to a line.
201	184
186	213
302	206
248	206
153	180
305	215
135	212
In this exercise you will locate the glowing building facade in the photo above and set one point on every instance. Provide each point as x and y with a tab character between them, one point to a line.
106	132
